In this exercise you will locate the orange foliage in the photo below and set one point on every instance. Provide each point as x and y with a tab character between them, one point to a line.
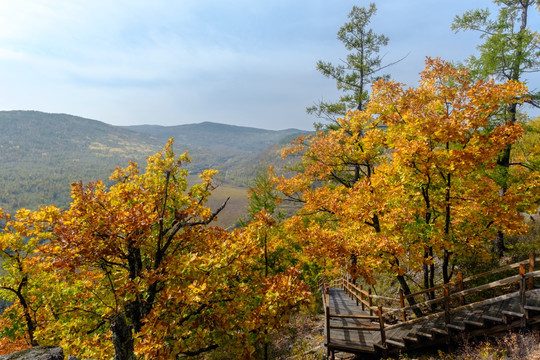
413	173
8	346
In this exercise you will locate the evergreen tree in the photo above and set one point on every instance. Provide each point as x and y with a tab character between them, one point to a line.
360	68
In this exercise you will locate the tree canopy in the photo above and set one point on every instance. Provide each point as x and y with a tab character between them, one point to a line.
408	180
137	263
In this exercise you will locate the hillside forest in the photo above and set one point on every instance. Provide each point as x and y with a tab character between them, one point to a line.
401	186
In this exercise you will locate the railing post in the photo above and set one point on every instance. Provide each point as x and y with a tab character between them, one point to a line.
381	326
522	295
370	303
362	296
402	305
531	269
446	304
327	317
460	288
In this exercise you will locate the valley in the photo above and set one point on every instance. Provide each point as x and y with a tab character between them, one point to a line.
42	154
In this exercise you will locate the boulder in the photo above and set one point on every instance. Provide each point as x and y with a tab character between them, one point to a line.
36	353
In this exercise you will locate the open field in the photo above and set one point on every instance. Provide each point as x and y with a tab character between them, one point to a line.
236	206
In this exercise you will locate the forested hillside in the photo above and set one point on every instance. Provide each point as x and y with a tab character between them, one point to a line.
43	154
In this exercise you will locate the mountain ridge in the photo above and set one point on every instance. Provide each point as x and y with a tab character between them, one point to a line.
42	154
215	134
213	123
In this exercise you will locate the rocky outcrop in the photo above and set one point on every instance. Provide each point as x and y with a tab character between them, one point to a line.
36	353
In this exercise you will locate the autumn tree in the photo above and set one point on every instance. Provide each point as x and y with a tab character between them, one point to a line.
510	51
137	264
22	277
442	155
263	200
425	194
360	68
264	222
15	285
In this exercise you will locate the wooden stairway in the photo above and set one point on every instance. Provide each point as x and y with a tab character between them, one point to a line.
356	324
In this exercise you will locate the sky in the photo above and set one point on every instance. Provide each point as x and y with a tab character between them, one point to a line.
171	62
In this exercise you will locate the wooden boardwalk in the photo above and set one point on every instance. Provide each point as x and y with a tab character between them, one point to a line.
511	302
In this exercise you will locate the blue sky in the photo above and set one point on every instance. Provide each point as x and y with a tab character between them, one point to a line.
171	62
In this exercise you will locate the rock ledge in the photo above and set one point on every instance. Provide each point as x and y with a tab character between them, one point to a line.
36	353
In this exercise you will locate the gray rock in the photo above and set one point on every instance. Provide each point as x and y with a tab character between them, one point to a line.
36	353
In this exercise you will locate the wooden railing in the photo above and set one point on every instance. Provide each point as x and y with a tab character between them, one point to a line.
368	326
445	298
460	288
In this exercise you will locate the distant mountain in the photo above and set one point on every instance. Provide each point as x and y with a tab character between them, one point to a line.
41	154
209	134
31	135
233	150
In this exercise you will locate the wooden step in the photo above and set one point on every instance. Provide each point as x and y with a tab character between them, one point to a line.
493	318
459	327
532	308
411	338
439	331
473	323
395	342
424	334
511	313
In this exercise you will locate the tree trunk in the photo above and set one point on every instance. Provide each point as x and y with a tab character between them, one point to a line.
429	272
447	224
30	324
503	161
407	291
353	272
429	275
446	263
504	157
122	338
498	244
